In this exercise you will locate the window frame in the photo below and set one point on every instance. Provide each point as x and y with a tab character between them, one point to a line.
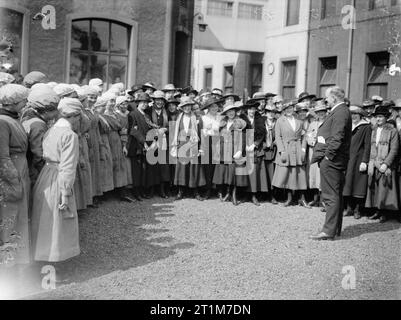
368	73
282	62
253	5
25	32
228	65
252	86
208	67
324	9
208	9
320	69
287	14
133	41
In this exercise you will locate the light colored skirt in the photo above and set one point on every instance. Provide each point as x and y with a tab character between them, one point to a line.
291	178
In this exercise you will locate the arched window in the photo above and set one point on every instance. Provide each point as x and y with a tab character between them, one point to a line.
99	49
11	39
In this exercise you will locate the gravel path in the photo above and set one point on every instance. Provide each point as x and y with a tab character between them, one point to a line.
210	250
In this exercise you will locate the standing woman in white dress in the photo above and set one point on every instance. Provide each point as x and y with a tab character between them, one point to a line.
55	234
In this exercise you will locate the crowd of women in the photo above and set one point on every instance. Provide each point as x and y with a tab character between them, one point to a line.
62	147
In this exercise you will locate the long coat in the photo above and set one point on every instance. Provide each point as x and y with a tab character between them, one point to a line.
356	182
106	157
55	235
312	169
383	188
14	190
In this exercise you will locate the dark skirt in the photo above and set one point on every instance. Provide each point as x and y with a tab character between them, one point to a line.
270	167
258	181
157	174
382	192
139	171
230	174
189	175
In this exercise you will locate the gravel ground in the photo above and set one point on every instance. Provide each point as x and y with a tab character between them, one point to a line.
210	250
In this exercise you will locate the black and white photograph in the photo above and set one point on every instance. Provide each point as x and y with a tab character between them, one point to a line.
225	151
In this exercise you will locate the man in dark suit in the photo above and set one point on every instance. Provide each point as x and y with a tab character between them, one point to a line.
332	152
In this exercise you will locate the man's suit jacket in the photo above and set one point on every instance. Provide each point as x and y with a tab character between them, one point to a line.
334	138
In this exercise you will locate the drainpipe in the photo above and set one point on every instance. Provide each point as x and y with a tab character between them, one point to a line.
350	51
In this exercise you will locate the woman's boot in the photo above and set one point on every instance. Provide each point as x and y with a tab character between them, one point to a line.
289	199
180	194
255	200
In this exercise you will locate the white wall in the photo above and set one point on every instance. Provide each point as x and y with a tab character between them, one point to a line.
283	43
214	59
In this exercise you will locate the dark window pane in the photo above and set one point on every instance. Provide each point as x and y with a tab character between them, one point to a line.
288	93
98	67
119	39
100	35
208	78
228	79
329	8
11	23
379	89
80	35
118	70
328	71
289	72
293	12
79	68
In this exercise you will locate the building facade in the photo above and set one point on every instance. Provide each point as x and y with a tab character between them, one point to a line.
132	41
376	45
229	53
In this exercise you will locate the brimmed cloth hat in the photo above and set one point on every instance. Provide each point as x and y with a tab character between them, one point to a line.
34	77
95	82
169	87
186	101
158	94
301	106
135	88
236	97
388	104
210	102
69	107
368	103
320	106
217	92
236	106
63	89
6	78
250	104
287	104
43	99
270	95
120	100
358	110
305	95
377	99
380	110
149	85
173	101
143	97
12	94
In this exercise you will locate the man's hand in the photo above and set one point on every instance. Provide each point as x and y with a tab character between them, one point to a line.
383	168
363	167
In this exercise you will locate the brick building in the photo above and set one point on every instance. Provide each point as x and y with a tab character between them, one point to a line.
132	41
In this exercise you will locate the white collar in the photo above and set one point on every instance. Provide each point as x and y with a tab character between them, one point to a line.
62	123
332	109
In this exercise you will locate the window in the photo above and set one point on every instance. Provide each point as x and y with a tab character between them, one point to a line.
329	8
293	12
220	8
99	49
228	79
256	77
250	11
289	77
377	80
328	74
377	4
207	85
11	28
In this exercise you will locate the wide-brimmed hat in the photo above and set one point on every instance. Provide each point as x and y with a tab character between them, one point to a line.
368	103
290	103
135	88
217	92
235	96
158	94
271	108
143	97
377	99
250	104
270	95
149	85
388	104
210	102
305	95
173	101
301	106
320	106
186	101
380	110
358	110
169	87
228	106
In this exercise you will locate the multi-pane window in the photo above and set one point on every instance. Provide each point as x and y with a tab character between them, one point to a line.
11	23
250	11
377	4
256	77
377	79
228	79
328	74
220	8
289	76
207	84
293	7
99	49
329	8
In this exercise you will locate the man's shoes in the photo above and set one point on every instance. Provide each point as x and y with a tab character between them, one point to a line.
321	237
375	216
255	201
303	203
383	219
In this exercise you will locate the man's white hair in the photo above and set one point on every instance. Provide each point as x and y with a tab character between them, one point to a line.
337	93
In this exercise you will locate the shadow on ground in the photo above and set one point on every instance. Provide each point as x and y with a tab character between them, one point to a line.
357	230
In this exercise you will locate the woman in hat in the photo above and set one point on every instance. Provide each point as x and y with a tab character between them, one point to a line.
149	88
278	104
312	170
369	106
172	115
34	77
260	99
382	193
290	173
159	171
14	178
270	149
93	139
106	157
185	147
41	110
229	172
210	140
258	182
55	235
231	98
356	179
169	91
